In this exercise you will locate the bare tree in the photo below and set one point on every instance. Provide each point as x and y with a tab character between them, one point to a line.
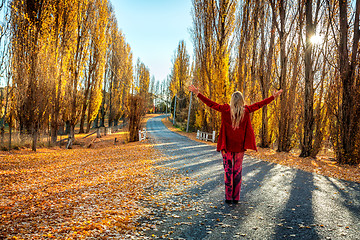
347	152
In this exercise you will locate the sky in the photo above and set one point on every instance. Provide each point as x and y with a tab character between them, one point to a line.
154	28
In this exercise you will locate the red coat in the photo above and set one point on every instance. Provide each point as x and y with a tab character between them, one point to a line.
242	138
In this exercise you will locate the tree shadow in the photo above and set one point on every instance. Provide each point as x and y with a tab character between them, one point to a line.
350	193
297	219
253	180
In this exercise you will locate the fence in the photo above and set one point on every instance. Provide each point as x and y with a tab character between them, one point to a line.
15	140
205	136
142	134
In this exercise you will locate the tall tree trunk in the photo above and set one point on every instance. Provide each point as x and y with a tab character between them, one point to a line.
291	98
111	93
55	117
22	132
2	134
284	143
67	127
71	135
307	142
53	132
96	121
35	138
243	47
349	121
72	131
264	138
2	121
84	106
82	119
265	79
54	125
102	119
101	114
34	85
319	133
10	131
88	122
57	94
253	71
135	107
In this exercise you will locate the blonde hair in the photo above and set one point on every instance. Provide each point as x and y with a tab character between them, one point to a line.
237	109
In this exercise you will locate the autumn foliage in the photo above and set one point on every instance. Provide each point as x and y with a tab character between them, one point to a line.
69	65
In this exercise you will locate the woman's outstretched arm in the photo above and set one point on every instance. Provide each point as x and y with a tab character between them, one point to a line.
205	100
256	106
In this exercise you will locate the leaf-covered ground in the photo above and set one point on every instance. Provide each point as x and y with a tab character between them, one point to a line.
324	164
92	193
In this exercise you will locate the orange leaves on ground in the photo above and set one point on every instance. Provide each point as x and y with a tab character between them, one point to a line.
323	164
75	193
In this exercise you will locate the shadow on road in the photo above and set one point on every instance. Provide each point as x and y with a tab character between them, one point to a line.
297	218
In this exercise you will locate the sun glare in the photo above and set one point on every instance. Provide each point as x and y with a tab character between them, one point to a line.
316	39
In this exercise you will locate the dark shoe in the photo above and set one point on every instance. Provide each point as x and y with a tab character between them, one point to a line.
228	201
236	201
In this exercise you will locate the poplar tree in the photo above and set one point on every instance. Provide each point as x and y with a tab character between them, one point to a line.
213	28
30	23
180	77
80	39
94	74
60	62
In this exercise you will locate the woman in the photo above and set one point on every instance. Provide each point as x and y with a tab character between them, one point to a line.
236	135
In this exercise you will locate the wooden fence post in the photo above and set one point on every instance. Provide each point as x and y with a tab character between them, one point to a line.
205	136
187	126
142	134
174	110
69	143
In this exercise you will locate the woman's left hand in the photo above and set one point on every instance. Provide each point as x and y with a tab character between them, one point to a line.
278	93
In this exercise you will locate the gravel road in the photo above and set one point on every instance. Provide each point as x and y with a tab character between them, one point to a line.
276	202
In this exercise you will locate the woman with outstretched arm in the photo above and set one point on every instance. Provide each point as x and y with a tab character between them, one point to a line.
236	135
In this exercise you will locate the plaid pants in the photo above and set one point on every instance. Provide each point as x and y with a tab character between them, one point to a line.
233	174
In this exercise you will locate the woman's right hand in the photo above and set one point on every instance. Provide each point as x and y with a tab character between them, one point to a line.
194	89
